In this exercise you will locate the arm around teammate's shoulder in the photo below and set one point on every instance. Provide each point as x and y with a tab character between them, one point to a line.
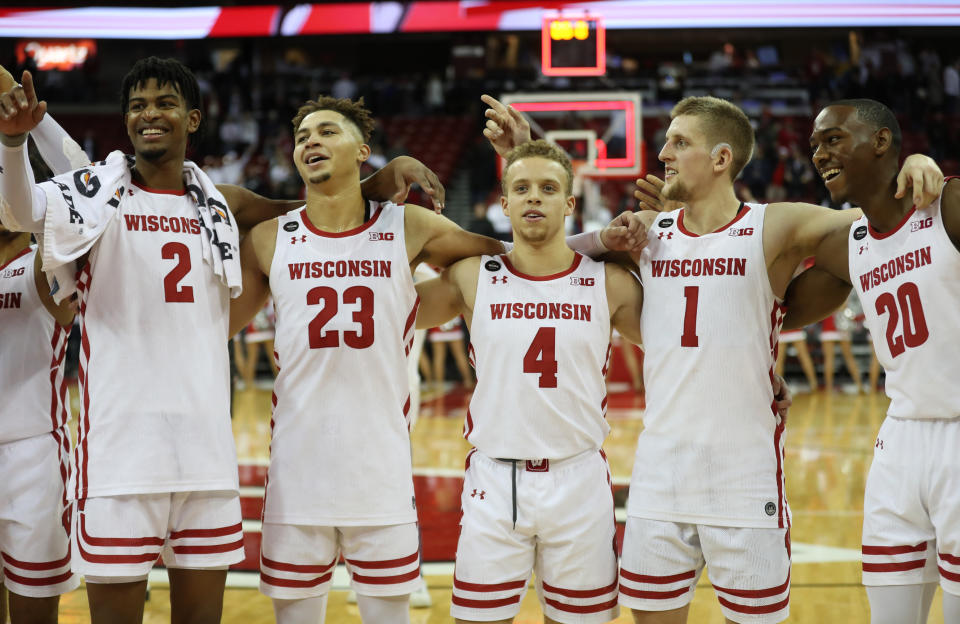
950	210
439	241
249	208
625	300
451	294
256	257
813	296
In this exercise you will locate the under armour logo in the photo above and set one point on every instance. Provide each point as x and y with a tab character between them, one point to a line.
669	235
493	280
1	169
475	493
130	192
863	248
293	239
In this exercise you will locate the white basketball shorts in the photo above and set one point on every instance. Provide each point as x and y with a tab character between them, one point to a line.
34	518
123	536
297	561
911	507
749	568
564	533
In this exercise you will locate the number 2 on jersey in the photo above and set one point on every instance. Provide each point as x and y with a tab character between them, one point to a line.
915	331
172	291
540	358
320	339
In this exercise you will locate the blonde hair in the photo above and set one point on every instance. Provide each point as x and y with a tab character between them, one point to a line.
539	149
722	122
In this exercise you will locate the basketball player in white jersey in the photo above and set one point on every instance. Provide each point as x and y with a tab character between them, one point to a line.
155	465
537	492
707	485
904	263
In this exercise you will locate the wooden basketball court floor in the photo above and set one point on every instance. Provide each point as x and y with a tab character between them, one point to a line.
829	447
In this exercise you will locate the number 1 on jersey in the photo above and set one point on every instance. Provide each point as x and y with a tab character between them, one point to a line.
540	358
689	336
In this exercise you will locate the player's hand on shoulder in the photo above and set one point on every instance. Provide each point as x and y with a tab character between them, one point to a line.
20	112
649	195
921	174
407	171
627	232
506	128
7	81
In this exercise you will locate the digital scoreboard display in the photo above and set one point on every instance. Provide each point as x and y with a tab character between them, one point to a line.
573	45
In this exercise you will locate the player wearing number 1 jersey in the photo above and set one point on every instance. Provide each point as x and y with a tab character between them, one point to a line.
707	486
536	493
904	263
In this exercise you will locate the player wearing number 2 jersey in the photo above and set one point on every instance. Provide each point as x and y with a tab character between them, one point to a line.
537	488
904	263
707	486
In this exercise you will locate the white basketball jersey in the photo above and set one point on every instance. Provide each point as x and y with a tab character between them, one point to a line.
31	357
711	451
908	281
346	309
540	348
154	372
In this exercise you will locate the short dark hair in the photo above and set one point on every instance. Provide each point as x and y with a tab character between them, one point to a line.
354	111
876	115
165	71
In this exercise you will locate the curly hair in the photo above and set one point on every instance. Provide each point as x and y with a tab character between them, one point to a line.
164	71
539	149
353	111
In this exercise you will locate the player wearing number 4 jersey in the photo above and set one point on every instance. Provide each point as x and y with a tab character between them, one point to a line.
707	486
904	263
155	467
537	492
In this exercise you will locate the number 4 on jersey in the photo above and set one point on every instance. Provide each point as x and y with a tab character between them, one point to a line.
540	358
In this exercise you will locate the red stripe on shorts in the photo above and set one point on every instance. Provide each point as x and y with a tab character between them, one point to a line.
950	576
208	549
755	593
293	567
137	558
952	559
580	593
280	582
653	595
36	582
227	530
387	563
657	580
115	541
900	566
893	550
387	580
36	566
569	608
484	604
487	587
739	608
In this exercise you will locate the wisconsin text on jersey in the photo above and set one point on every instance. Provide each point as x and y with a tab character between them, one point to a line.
566	311
695	267
161	223
340	268
892	268
10	300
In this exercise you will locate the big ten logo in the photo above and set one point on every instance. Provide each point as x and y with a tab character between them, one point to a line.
381	236
582	281
13	272
740	231
922	224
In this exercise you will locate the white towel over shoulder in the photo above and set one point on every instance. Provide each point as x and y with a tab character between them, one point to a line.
82	203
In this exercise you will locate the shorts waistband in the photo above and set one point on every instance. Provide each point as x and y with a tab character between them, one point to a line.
544	465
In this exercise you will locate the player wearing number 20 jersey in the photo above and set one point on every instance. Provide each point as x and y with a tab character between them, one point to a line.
346	308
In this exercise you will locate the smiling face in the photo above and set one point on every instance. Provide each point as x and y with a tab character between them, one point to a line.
328	145
845	150
536	198
688	165
158	121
